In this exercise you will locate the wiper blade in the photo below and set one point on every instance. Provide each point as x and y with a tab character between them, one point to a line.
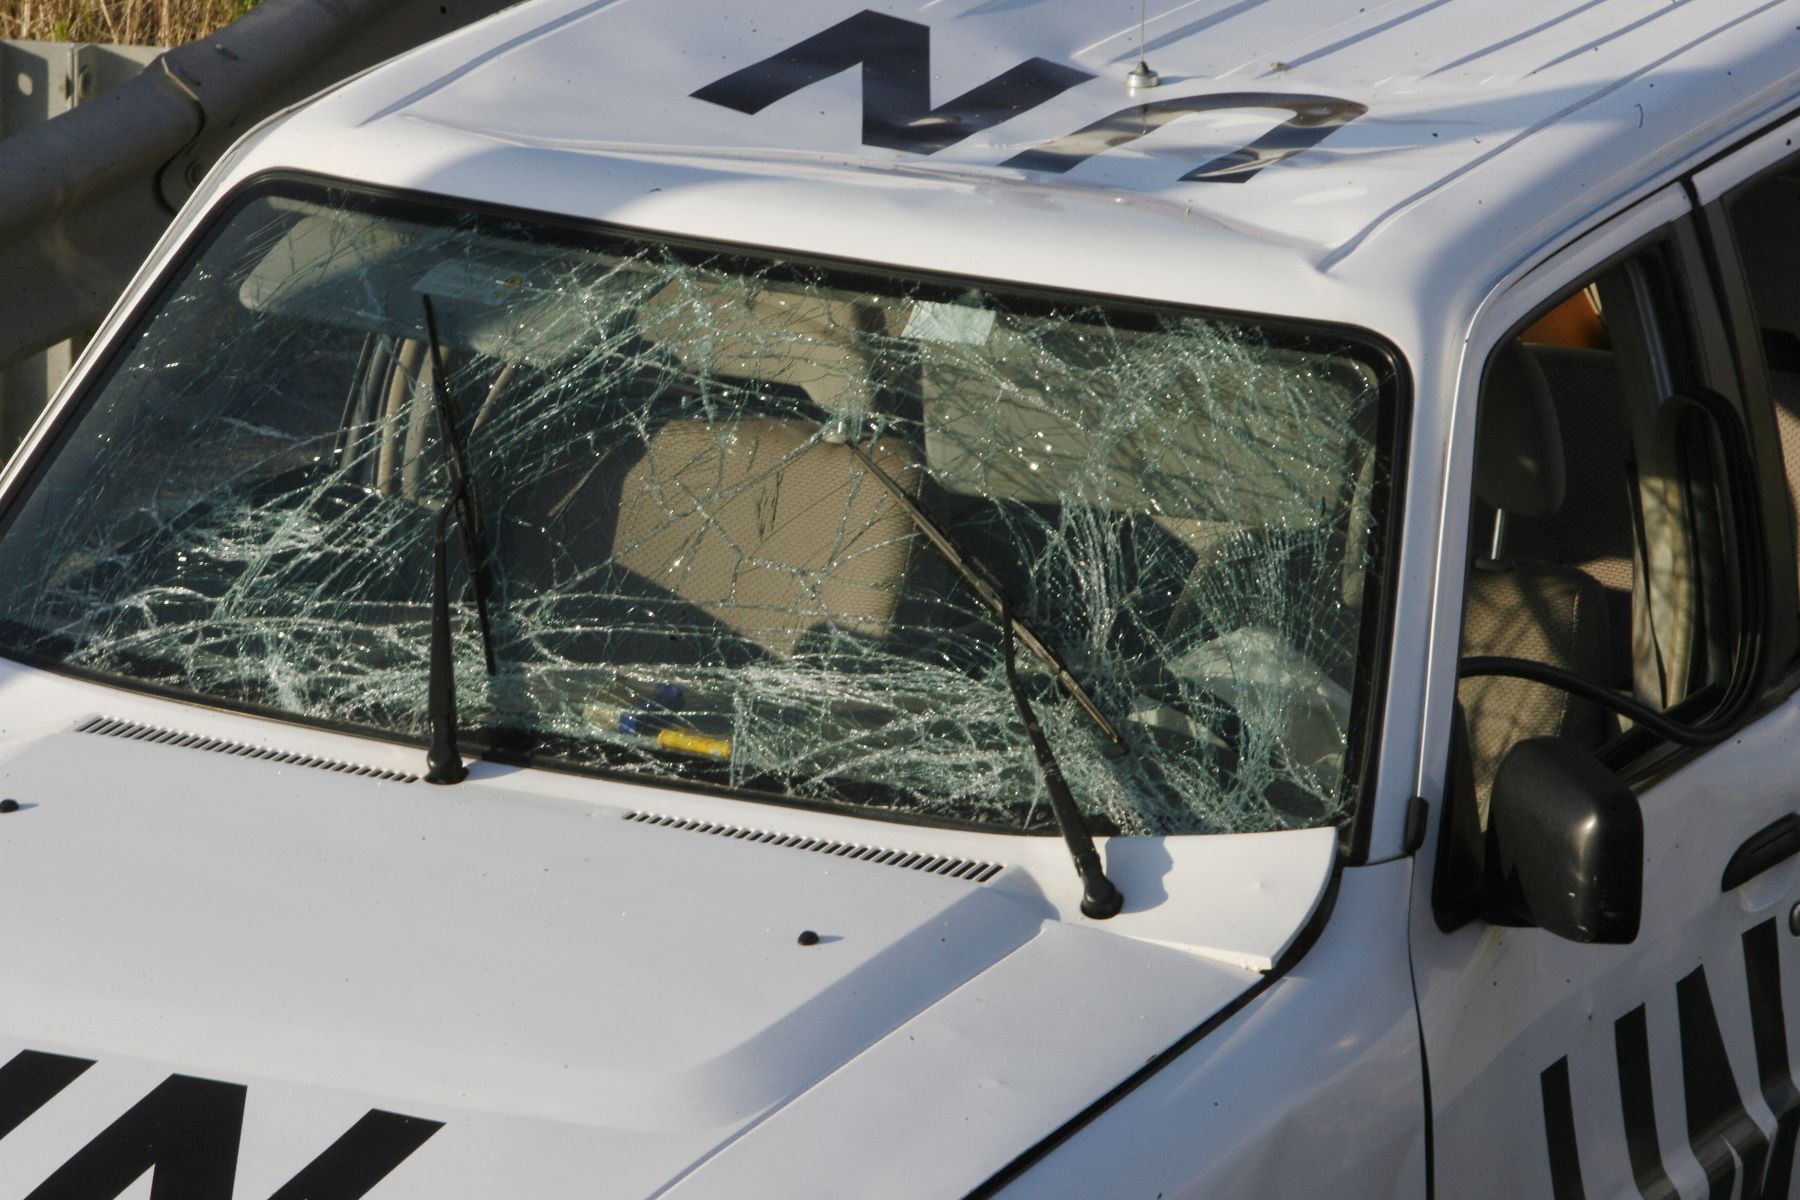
1100	898
990	591
443	761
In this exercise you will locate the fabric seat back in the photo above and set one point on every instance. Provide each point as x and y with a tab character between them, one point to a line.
769	529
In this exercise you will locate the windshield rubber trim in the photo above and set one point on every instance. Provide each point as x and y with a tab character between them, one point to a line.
1392	405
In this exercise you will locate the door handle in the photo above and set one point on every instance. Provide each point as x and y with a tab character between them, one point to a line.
1769	845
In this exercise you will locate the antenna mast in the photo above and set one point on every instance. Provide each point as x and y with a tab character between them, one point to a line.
1141	75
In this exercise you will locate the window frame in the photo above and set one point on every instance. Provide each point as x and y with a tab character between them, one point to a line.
1717	188
1510	303
1639	756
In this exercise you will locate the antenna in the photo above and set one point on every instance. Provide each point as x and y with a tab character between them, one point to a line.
1141	75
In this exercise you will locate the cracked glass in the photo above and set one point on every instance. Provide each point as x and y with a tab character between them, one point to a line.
695	573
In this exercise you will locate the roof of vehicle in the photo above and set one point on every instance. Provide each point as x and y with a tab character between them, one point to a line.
1503	122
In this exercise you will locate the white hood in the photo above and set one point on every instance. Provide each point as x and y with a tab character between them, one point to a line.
590	1005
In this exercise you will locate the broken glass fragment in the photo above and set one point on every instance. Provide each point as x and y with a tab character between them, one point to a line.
694	576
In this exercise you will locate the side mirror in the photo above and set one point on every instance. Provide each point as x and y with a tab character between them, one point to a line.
1564	845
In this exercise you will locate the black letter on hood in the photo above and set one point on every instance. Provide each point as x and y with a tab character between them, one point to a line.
361	1158
1559	1132
1314	118
1719	1130
1637	1100
28	1082
896	68
186	1128
1768	1023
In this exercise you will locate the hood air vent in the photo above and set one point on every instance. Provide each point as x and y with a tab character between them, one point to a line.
131	730
912	860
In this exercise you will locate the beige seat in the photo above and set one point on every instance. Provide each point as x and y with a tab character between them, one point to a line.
767	528
1520	608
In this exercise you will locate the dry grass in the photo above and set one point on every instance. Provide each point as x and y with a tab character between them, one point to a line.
137	22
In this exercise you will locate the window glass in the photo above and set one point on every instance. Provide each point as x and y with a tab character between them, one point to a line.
1600	539
696	474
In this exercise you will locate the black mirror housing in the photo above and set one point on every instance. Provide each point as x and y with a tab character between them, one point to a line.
1564	845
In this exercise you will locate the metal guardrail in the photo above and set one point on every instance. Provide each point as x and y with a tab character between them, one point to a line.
40	81
104	144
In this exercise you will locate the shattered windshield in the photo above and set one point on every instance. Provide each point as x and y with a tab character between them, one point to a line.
694	573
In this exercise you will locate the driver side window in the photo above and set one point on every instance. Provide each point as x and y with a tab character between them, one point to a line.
1599	545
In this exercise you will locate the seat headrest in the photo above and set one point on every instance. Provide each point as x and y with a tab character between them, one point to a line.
1518	444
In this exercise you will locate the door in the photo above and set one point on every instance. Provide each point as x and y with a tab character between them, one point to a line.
1623	531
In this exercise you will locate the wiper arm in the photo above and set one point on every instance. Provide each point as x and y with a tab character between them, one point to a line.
443	761
990	591
1100	898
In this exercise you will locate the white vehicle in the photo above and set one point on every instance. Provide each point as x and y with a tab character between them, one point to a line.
800	477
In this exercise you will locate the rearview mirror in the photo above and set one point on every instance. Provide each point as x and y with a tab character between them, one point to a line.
1564	845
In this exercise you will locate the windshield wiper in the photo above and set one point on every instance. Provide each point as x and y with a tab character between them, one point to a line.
1100	898
990	591
443	761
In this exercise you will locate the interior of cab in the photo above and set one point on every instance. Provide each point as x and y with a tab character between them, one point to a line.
727	495
1530	591
1600	592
